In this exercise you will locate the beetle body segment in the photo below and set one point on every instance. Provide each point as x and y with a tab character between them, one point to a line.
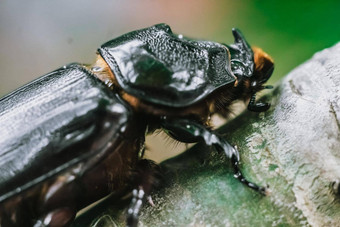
61	126
156	61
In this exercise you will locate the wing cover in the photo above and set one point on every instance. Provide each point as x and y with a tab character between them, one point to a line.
52	123
157	66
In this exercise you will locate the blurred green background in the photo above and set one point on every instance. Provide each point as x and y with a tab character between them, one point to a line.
38	36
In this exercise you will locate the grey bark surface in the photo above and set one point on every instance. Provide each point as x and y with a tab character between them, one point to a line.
294	148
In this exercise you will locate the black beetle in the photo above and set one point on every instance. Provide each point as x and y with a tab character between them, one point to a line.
76	134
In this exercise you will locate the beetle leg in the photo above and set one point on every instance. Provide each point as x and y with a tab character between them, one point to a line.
184	130
235	158
138	195
59	217
146	177
257	107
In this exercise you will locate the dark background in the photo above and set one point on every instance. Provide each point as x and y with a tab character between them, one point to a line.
38	36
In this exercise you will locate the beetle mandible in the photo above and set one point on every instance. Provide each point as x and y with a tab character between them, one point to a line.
76	134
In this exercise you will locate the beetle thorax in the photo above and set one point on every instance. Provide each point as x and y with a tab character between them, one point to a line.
200	111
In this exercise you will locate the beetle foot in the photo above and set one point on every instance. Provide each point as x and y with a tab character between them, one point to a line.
58	217
146	177
257	107
235	158
135	206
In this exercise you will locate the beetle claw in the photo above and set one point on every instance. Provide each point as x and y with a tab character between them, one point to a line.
257	107
235	158
268	87
135	206
150	201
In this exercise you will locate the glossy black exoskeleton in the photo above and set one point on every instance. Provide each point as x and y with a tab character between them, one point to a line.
76	134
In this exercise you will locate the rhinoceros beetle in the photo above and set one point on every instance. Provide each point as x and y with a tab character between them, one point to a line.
75	135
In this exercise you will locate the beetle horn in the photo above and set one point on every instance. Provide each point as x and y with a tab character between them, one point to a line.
242	56
241	41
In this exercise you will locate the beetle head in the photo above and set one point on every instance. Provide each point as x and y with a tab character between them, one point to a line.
251	66
263	69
